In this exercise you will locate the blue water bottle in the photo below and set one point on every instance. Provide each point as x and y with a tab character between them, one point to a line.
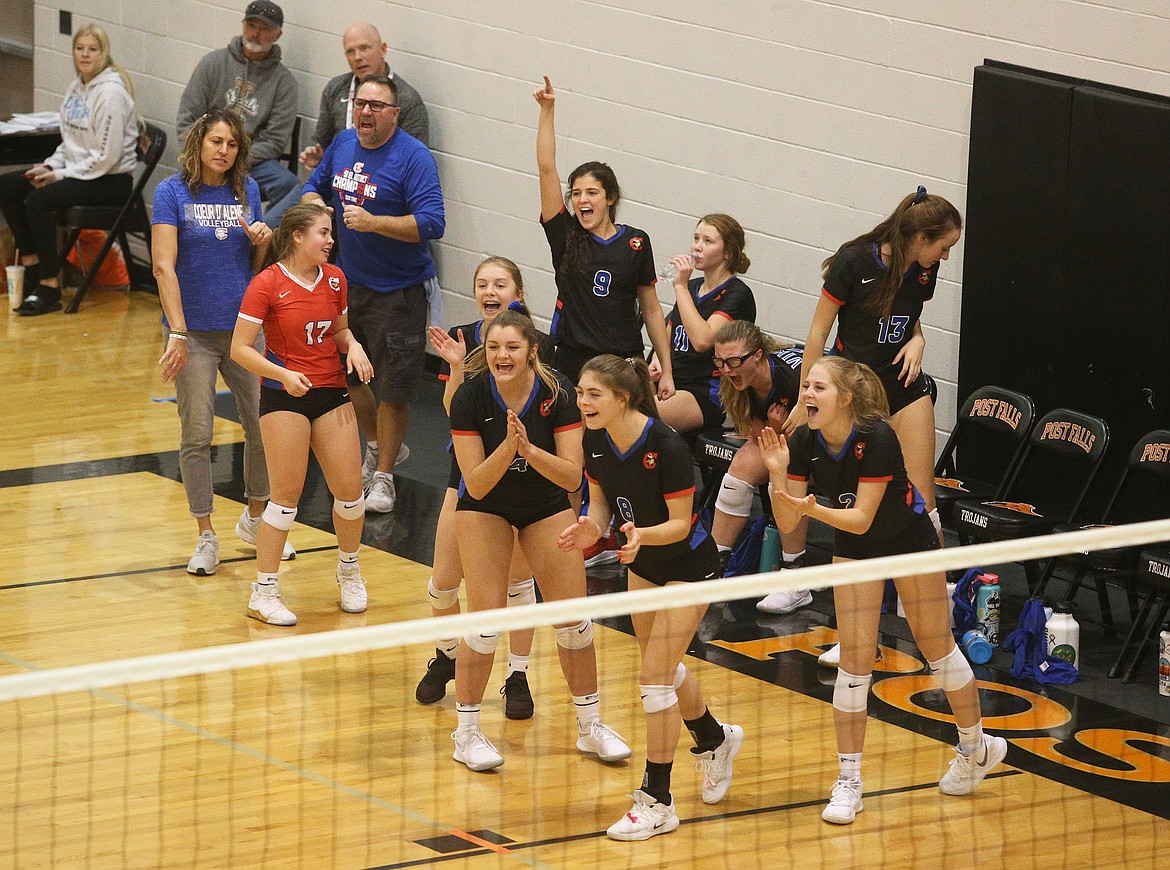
770	557
976	647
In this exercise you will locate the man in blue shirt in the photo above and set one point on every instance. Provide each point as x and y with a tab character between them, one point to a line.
383	185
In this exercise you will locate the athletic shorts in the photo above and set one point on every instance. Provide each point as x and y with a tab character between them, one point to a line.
900	396
701	563
392	327
713	413
318	402
570	360
918	538
517	516
455	477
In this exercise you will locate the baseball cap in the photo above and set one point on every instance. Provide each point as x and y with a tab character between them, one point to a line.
266	11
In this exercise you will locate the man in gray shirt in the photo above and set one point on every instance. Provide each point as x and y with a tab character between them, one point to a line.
248	76
365	52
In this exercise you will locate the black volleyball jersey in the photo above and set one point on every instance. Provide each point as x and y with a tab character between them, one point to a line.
638	483
862	336
478	409
472	338
785	392
732	299
869	456
597	306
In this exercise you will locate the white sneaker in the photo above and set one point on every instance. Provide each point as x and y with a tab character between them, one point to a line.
353	589
604	742
206	558
785	601
645	819
967	771
831	658
248	526
844	802
716	764
267	605
381	495
370	463
475	750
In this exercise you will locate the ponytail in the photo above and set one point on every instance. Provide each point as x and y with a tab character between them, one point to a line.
629	376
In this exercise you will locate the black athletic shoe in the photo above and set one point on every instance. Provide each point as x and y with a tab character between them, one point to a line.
517	698
433	686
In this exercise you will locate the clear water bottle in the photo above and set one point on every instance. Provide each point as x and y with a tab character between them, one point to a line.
668	272
1064	634
987	608
976	647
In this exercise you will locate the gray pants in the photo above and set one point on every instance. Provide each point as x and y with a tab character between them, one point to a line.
208	353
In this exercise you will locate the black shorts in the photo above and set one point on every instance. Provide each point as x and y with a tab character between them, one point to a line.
713	413
318	402
900	396
392	327
702	563
455	477
570	360
517	516
920	537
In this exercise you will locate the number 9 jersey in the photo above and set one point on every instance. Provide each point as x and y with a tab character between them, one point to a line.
299	321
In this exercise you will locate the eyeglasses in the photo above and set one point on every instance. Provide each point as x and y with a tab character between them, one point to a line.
731	362
375	106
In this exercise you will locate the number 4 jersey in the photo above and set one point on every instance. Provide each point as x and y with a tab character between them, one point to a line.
299	320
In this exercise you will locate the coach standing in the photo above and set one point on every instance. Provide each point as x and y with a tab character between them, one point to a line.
384	187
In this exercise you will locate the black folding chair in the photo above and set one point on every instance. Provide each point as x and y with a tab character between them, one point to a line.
118	222
1154	572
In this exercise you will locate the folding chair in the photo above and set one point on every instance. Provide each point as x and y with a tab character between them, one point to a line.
1047	487
117	221
989	435
1154	571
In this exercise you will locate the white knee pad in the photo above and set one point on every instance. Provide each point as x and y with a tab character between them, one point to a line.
952	671
279	517
485	644
735	496
350	510
576	636
935	521
851	692
442	599
522	591
655	699
680	674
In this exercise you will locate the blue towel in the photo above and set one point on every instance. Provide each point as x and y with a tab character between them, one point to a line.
1029	642
745	558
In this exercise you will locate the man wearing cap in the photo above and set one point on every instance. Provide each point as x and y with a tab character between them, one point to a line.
383	185
249	77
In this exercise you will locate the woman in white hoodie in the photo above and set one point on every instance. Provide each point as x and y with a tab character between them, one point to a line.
92	165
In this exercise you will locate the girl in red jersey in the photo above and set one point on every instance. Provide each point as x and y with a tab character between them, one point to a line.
301	302
517	434
851	455
641	472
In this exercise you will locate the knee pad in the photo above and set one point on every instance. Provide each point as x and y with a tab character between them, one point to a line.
442	599
934	520
484	644
735	496
680	674
851	692
279	517
655	699
522	591
352	510
576	636
952	671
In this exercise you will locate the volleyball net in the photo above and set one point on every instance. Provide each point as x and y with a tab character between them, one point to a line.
310	750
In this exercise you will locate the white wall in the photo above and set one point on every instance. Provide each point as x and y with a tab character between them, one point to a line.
806	119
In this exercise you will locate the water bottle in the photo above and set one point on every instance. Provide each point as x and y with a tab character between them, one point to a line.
976	647
951	601
1064	635
668	272
1164	663
770	558
987	608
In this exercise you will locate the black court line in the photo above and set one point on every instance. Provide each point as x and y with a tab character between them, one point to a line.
157	569
714	817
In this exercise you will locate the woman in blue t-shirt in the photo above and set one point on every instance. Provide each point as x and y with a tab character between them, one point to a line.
207	241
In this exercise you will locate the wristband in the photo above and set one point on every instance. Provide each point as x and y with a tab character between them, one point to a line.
181	336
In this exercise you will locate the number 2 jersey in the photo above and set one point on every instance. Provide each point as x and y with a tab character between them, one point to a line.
862	336
638	484
870	455
299	321
478	409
